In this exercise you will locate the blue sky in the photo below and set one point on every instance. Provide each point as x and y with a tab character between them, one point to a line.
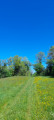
26	27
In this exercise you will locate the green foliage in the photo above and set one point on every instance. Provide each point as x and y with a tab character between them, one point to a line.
50	62
38	68
14	66
21	66
52	73
25	67
40	57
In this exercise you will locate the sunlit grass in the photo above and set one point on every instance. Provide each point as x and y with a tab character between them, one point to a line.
45	91
27	98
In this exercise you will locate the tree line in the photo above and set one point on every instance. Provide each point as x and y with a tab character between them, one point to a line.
48	60
14	66
21	66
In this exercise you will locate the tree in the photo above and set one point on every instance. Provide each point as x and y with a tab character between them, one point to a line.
10	66
25	66
38	68
4	71
40	57
27	63
50	61
23	69
51	53
16	64
10	61
0	68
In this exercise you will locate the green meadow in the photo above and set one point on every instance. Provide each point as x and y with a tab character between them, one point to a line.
26	98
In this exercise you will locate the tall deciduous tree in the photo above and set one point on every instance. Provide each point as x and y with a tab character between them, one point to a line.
50	61
40	57
16	64
38	67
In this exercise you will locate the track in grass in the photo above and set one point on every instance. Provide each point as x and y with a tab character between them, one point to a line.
22	98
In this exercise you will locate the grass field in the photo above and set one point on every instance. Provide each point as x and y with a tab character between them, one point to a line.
27	98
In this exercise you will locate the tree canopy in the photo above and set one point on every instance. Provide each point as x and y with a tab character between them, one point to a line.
21	65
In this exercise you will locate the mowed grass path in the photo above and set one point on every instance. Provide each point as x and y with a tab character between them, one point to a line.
22	98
